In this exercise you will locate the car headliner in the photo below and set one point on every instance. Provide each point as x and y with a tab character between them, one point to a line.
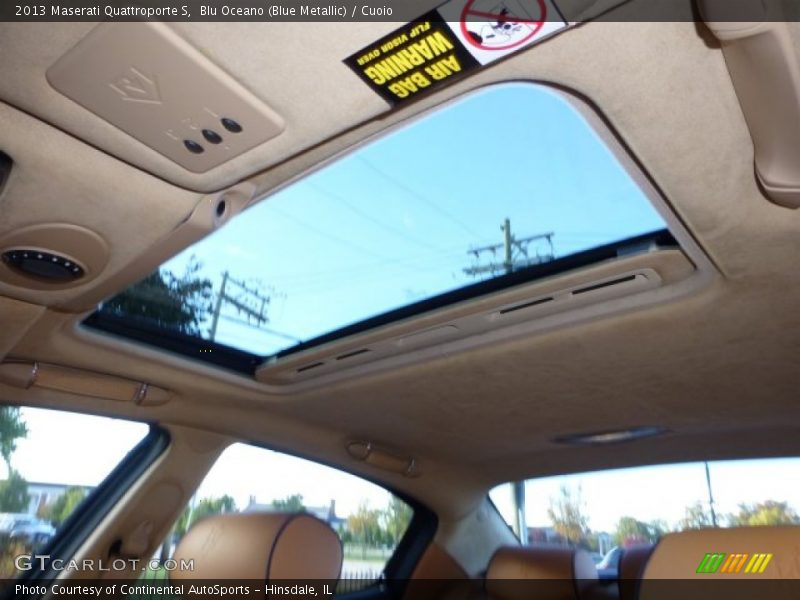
718	368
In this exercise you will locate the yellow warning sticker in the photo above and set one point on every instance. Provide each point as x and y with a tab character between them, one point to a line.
444	44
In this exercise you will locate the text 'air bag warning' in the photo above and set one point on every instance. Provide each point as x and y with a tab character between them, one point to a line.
457	37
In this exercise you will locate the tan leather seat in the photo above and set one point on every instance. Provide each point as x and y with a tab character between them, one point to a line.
678	556
438	576
632	562
541	572
260	546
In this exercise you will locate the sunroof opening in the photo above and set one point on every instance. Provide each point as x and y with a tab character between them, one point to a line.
505	185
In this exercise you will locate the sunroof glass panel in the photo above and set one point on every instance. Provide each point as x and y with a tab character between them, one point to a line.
505	179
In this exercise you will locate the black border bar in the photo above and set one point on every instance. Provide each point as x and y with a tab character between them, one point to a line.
398	11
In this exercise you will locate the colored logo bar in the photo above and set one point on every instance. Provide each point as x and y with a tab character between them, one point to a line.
720	562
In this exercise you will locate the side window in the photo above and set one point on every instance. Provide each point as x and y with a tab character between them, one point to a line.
369	520
52	460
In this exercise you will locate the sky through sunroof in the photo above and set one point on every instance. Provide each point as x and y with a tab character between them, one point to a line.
394	222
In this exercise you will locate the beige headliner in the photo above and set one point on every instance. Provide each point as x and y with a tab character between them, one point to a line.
719	369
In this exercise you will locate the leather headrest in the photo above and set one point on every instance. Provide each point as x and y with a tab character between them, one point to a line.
551	572
260	546
773	552
632	562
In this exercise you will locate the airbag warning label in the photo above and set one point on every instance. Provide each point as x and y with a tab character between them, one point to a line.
458	37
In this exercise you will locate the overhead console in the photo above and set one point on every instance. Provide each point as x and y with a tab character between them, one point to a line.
149	82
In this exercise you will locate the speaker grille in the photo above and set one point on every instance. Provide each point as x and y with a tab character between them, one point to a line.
43	265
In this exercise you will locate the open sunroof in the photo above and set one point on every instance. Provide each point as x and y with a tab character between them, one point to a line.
504	186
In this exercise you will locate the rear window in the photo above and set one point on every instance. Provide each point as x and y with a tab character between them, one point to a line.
607	510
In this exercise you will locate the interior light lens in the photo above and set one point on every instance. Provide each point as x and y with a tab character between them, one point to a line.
616	436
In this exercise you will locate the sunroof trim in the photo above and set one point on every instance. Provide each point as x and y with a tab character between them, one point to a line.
557	267
246	362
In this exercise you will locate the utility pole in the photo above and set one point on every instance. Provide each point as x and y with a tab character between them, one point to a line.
710	497
218	306
248	302
520	526
507	241
516	253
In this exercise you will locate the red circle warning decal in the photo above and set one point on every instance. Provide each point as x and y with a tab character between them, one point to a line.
501	24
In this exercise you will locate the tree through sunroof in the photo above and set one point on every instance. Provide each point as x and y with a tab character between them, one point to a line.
181	303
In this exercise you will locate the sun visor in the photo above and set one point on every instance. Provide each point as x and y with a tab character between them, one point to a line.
765	70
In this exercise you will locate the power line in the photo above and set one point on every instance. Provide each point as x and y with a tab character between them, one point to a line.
344	278
327	235
338	198
420	197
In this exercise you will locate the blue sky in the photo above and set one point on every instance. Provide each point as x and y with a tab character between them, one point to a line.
392	222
